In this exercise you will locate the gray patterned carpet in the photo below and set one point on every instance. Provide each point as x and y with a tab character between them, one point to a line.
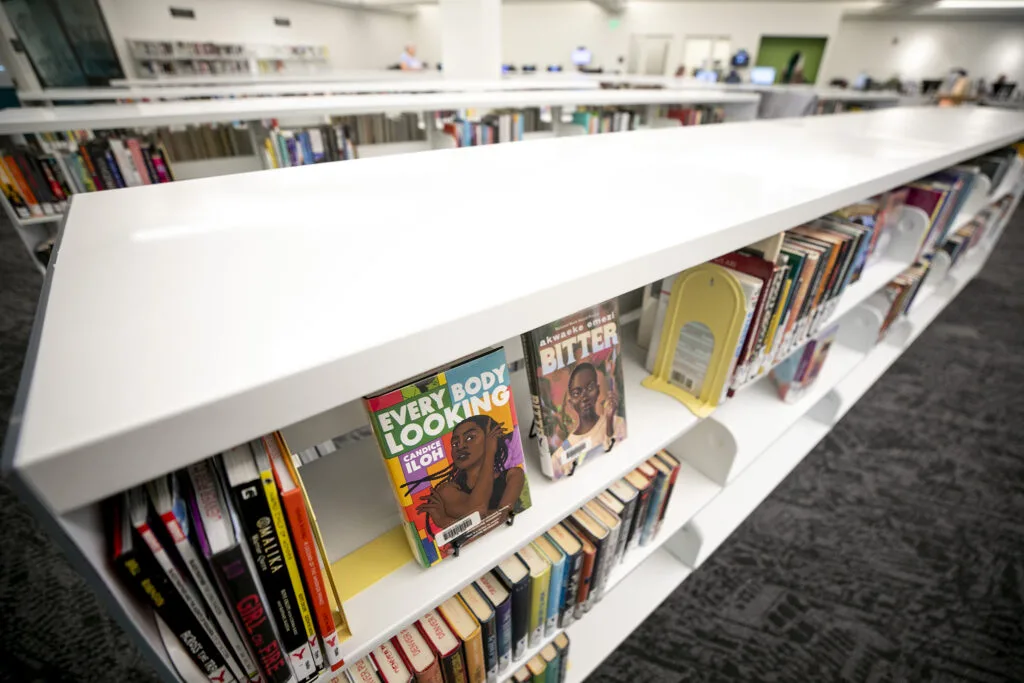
894	552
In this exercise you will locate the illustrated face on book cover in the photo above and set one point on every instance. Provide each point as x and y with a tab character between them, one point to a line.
579	379
452	446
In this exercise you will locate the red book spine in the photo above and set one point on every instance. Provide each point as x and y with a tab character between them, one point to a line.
307	554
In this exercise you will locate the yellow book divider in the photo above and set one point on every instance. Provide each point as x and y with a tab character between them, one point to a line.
705	317
370	563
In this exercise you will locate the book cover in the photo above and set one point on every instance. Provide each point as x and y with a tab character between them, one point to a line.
451	443
484	613
418	656
501	602
467	629
307	554
218	531
445	645
572	548
786	375
821	349
262	449
575	372
515	576
139	570
540	584
249	498
390	665
556	558
171	508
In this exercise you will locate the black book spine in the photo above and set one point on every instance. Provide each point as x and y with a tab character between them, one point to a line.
99	161
489	633
250	502
28	170
239	586
150	168
643	499
520	614
453	667
143	575
570	588
115	170
629	520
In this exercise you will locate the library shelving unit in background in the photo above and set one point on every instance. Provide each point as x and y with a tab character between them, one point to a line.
178	320
318	109
157	58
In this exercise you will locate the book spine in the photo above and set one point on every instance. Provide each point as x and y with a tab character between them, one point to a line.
191	600
570	589
476	666
90	167
643	498
13	196
305	546
147	157
503	623
669	488
586	577
555	593
151	584
238	585
198	572
432	674
36	182
489	636
453	667
294	577
115	170
254	510
520	617
163	167
607	560
539	586
653	508
23	189
538	411
99	162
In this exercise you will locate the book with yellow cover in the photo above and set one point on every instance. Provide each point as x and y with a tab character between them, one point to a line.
540	584
465	626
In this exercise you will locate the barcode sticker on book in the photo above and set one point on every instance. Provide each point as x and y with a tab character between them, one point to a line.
573	452
448	534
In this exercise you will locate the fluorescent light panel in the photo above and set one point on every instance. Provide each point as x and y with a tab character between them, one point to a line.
979	4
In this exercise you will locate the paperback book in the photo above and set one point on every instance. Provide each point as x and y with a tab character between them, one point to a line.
575	371
451	443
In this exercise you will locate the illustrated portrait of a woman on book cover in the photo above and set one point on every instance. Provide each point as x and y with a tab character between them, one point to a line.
481	478
597	424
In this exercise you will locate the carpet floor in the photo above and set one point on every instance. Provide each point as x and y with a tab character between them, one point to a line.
894	552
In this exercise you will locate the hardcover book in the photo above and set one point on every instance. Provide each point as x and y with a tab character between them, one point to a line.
467	629
447	647
626	494
481	609
515	575
390	666
501	601
540	584
570	545
418	656
451	443
557	559
575	371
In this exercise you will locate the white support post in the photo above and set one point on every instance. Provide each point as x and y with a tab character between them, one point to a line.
471	38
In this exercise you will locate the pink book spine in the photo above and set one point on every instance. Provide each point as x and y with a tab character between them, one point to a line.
140	163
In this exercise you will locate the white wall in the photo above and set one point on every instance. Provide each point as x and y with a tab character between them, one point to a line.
354	39
546	32
928	49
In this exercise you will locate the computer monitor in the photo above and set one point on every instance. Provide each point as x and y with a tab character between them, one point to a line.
529	68
930	86
741	58
706	75
581	56
554	67
762	75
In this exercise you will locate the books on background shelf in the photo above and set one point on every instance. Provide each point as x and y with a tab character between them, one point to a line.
282	148
794	375
899	294
605	119
378	129
695	116
488	130
207	141
575	372
451	443
229	556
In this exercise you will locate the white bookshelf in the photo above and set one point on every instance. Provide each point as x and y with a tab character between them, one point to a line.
309	248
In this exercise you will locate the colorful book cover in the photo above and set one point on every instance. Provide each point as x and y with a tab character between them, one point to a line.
451	444
575	370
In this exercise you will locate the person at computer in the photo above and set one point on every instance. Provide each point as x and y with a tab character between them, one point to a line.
408	61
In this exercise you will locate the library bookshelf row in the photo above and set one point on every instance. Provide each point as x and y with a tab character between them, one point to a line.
156	58
374	124
132	383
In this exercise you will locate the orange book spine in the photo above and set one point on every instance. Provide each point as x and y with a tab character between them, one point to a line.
305	547
15	174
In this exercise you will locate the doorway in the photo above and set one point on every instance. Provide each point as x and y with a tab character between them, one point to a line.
648	54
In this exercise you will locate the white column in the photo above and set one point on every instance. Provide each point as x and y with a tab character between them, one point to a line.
471	38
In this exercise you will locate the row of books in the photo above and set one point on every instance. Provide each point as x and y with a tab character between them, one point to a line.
794	375
185	49
209	141
489	130
40	174
311	145
790	286
228	554
483	632
192	66
377	129
695	116
605	119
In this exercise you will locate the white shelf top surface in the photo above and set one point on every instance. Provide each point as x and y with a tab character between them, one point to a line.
172	92
181	319
40	119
